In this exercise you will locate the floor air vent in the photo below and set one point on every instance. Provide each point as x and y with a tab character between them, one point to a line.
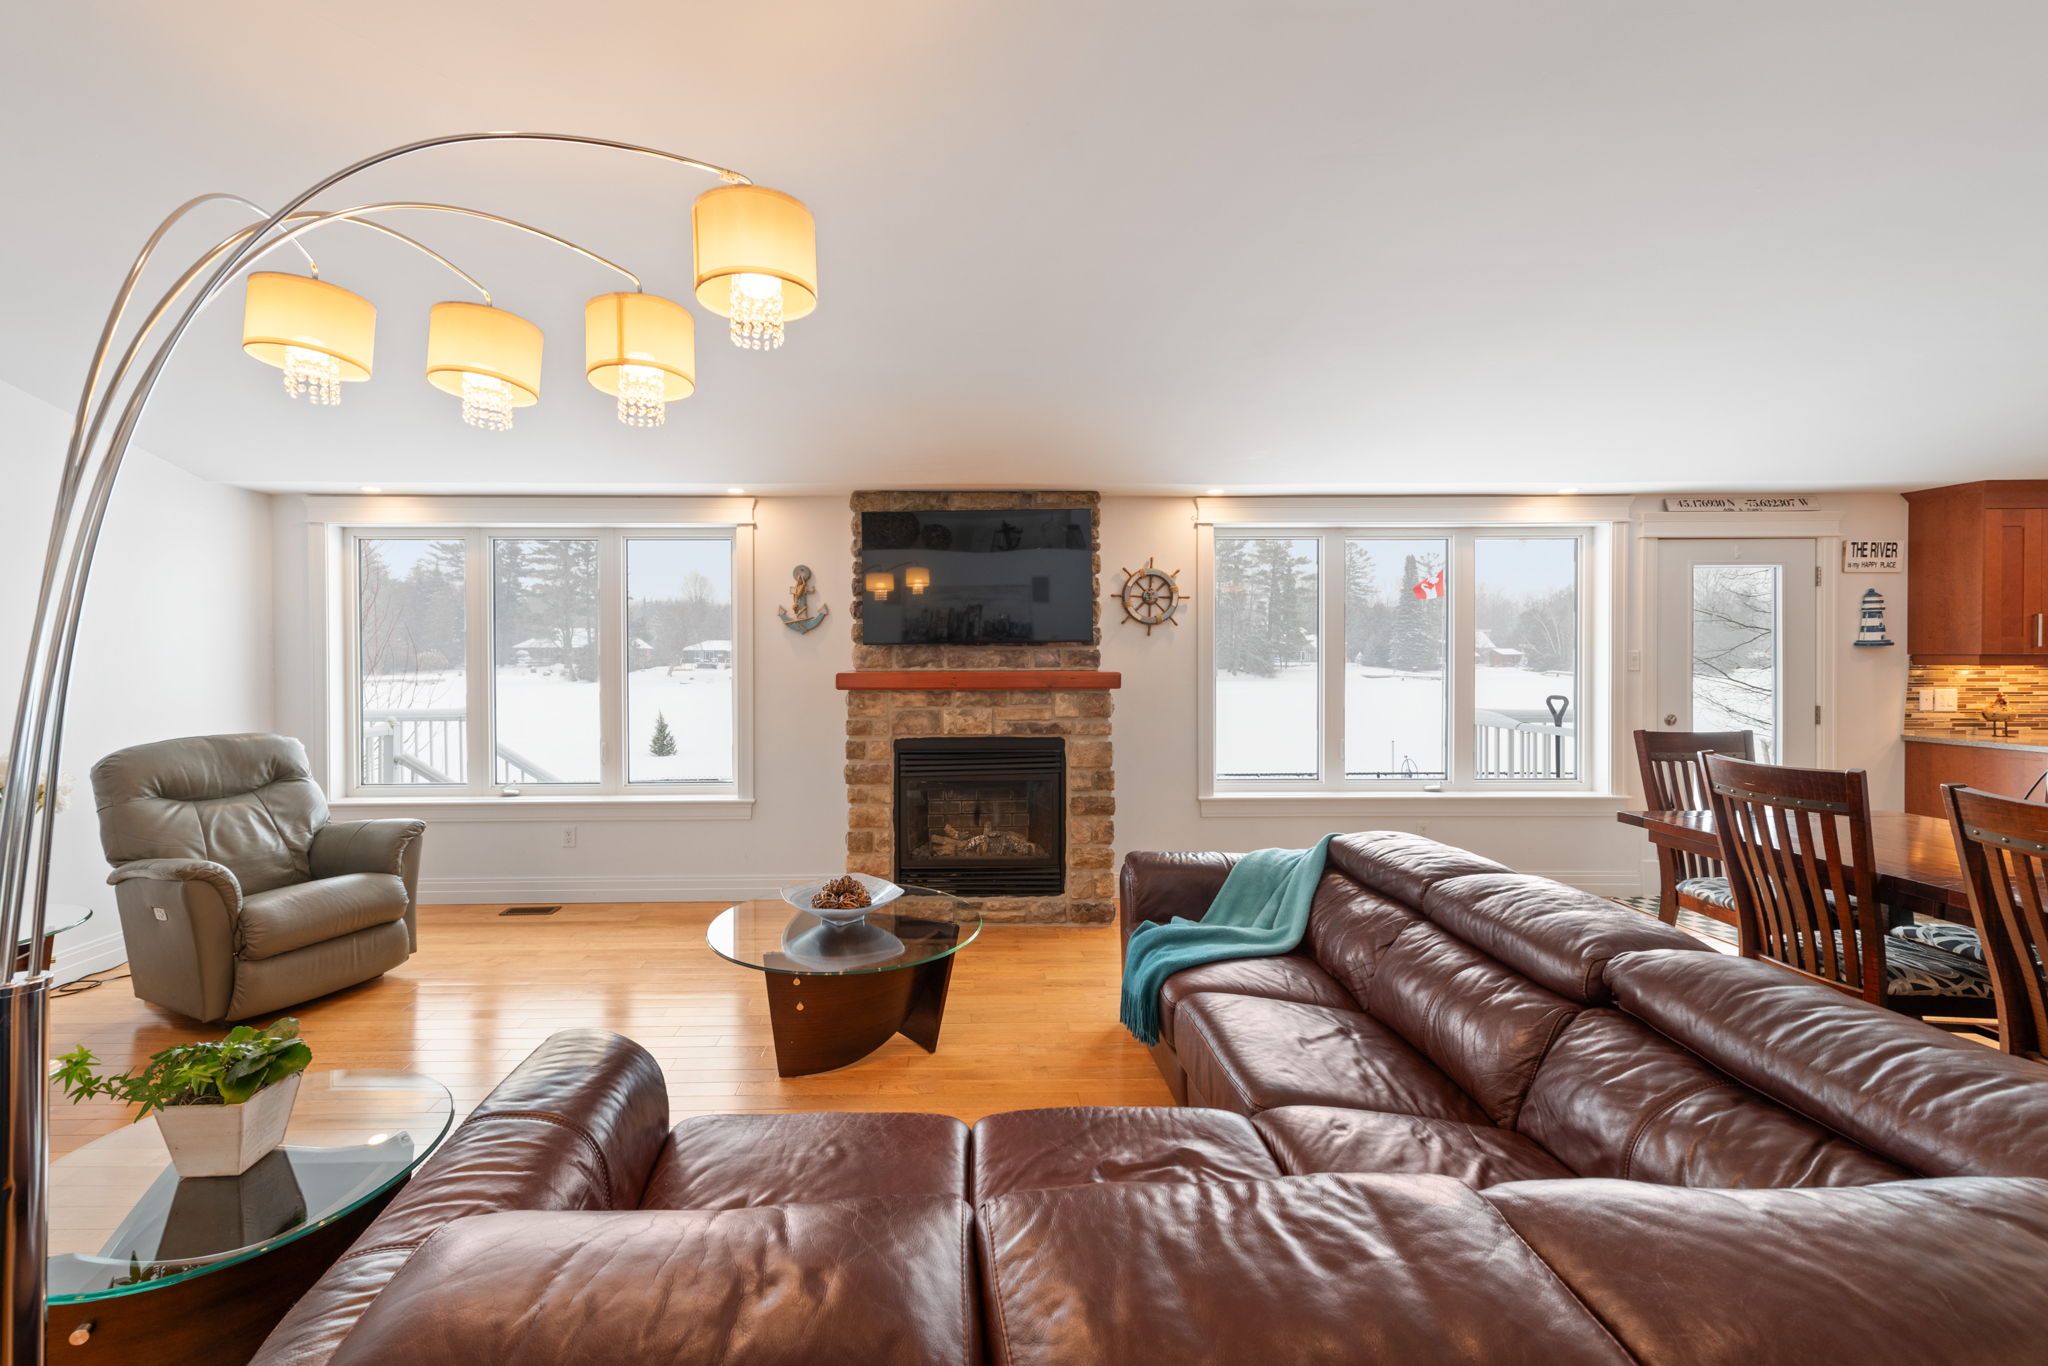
529	910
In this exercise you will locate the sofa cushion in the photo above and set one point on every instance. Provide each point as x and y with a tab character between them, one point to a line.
1248	1054
1485	1025
882	1280
1619	1100
1316	1138
1403	866
1330	1270
1915	1273
1548	932
1080	1145
1283	977
734	1161
1349	927
1934	1103
288	918
247	802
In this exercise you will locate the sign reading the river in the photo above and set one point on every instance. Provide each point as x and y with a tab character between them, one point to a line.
1870	557
1769	502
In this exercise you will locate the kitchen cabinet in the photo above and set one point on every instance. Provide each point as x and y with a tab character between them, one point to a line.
1977	573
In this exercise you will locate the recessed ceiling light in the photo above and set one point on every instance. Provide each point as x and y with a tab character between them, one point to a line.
735	490
1572	490
371	488
1215	493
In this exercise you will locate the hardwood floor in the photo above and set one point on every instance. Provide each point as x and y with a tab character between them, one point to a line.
1031	1019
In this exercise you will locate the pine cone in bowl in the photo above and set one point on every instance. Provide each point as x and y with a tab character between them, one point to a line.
841	894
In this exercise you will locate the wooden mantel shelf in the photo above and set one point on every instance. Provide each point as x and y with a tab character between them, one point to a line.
978	680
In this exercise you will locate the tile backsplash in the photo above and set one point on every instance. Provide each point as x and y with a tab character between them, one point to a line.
2025	687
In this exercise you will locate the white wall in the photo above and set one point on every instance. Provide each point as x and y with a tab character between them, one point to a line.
175	638
799	817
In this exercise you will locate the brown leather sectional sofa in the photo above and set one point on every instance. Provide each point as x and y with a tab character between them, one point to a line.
1478	1117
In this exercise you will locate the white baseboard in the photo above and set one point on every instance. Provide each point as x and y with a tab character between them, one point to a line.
82	958
491	891
1599	881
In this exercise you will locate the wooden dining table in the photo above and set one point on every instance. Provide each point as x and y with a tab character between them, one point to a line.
1917	872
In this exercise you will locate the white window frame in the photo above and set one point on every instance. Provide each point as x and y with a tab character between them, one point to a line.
479	522
1461	523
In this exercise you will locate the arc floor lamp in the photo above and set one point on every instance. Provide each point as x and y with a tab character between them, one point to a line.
755	263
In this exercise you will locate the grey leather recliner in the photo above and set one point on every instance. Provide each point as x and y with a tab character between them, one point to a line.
237	896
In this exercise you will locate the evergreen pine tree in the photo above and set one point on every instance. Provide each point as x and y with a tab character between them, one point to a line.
1418	643
663	745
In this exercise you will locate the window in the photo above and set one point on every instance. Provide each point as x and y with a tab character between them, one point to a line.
546	660
1352	659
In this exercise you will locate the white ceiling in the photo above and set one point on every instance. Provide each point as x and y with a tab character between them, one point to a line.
1265	246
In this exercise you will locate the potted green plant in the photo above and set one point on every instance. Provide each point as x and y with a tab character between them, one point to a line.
220	1106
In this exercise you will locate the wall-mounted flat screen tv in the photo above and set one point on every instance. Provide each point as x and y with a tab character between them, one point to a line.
1011	577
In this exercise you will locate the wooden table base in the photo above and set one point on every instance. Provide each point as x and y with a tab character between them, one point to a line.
821	1023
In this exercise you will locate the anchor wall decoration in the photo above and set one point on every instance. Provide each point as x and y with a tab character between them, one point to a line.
798	616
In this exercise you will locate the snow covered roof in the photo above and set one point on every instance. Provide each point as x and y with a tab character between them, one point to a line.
724	645
578	639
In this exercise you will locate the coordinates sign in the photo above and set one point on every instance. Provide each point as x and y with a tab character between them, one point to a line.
1870	557
1780	502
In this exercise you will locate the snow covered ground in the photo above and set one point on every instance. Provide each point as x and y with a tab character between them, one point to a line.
555	723
1269	725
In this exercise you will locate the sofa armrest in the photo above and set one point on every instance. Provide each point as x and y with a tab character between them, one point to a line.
182	870
875	1279
577	1126
1159	886
180	920
380	846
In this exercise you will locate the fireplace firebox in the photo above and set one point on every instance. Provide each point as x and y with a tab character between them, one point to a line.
982	816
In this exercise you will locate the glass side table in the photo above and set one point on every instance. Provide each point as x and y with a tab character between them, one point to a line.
147	1267
836	993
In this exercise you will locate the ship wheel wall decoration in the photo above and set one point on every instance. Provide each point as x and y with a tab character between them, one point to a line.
1151	596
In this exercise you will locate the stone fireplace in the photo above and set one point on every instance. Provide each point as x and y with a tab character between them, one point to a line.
984	770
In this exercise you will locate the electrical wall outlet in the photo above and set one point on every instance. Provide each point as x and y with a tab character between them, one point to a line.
568	837
1944	699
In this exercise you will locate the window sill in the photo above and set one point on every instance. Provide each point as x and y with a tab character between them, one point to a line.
594	807
1216	805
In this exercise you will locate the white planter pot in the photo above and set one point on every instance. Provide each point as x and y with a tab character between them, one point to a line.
227	1140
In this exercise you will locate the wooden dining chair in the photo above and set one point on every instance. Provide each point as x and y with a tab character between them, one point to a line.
1797	845
2003	847
1674	781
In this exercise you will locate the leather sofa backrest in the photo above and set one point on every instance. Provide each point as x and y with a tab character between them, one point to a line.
1556	935
247	802
1403	866
1351	927
1485	1025
1614	1098
1935	1104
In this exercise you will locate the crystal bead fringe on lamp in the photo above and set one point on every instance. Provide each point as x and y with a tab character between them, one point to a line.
643	349
757	260
319	334
488	358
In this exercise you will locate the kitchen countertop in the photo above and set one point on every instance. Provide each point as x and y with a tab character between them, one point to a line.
2031	741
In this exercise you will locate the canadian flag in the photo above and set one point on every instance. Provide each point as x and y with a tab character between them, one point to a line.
1431	587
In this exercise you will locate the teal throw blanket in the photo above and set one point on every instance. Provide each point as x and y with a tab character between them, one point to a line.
1261	910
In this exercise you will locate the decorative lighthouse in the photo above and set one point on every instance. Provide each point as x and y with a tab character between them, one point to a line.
1871	630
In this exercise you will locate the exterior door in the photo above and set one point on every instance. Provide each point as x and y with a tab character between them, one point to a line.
1736	645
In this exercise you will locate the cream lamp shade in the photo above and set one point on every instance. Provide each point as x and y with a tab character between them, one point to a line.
757	260
917	578
487	357
642	349
881	583
319	334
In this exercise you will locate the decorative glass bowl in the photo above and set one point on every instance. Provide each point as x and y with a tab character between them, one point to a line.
880	891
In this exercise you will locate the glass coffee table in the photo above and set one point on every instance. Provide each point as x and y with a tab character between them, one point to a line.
141	1260
836	993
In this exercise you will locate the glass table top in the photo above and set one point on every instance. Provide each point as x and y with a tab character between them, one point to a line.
774	936
122	1221
58	918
